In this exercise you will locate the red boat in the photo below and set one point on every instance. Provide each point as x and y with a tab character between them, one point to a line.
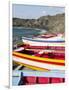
28	80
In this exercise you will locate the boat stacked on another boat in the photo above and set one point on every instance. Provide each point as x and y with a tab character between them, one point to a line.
40	60
42	53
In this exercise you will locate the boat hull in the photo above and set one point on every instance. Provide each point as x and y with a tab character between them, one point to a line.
42	43
38	63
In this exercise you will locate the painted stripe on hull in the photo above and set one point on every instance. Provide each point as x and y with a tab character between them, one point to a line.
42	43
53	63
39	58
39	73
44	40
44	47
37	64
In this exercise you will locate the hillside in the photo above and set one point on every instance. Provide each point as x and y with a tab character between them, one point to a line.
54	23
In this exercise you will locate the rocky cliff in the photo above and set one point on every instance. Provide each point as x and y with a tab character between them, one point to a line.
54	23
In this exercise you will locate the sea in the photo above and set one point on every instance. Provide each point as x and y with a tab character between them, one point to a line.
19	32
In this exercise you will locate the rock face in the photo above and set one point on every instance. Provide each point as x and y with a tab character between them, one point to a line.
53	24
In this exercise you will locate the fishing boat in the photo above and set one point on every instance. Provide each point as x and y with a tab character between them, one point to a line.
44	41
40	59
36	77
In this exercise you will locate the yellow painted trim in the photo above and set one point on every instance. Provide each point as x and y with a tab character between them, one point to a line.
40	58
32	67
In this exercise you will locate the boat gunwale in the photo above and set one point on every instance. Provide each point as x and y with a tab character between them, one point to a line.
39	58
49	41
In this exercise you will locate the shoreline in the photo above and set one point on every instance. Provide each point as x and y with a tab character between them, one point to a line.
17	27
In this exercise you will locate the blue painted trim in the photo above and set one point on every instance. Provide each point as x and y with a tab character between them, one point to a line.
57	41
54	73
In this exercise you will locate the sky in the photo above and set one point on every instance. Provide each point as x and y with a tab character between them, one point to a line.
34	11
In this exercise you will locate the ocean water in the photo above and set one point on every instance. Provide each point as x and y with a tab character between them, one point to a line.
19	32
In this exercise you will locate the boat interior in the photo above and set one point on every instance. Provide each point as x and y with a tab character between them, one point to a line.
53	55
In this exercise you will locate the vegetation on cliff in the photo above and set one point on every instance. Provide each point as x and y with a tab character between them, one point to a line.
54	23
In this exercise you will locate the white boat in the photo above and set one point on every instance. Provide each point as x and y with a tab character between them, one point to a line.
54	41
